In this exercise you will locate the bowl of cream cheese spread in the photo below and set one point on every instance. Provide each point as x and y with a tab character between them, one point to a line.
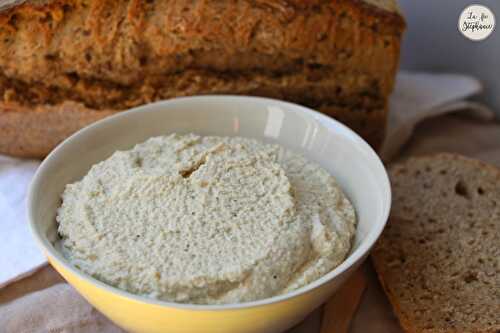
209	213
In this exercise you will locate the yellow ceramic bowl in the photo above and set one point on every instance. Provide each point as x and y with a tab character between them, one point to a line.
322	139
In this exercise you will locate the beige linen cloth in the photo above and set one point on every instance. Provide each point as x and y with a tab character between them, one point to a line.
43	302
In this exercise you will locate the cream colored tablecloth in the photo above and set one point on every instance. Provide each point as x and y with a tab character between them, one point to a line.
43	302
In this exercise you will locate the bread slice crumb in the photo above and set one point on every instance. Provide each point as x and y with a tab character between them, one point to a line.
439	258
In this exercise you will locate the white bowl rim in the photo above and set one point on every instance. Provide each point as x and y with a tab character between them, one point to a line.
353	257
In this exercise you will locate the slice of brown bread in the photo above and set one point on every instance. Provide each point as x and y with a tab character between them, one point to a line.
439	257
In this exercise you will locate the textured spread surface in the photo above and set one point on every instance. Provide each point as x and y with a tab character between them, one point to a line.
206	220
439	257
113	55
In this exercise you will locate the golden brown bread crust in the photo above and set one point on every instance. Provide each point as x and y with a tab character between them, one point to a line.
34	132
312	87
370	124
113	55
122	42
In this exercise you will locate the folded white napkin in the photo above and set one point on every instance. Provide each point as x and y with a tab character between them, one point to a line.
416	97
19	254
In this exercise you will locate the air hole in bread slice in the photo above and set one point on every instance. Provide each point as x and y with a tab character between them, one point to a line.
462	190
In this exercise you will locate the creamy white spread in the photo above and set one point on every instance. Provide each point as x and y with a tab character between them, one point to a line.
206	220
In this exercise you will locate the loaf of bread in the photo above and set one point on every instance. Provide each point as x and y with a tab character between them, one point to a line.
439	257
67	63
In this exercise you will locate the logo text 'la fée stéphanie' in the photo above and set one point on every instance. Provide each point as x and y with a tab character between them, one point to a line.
476	22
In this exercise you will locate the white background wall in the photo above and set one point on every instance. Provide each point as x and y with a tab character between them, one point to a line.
433	42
